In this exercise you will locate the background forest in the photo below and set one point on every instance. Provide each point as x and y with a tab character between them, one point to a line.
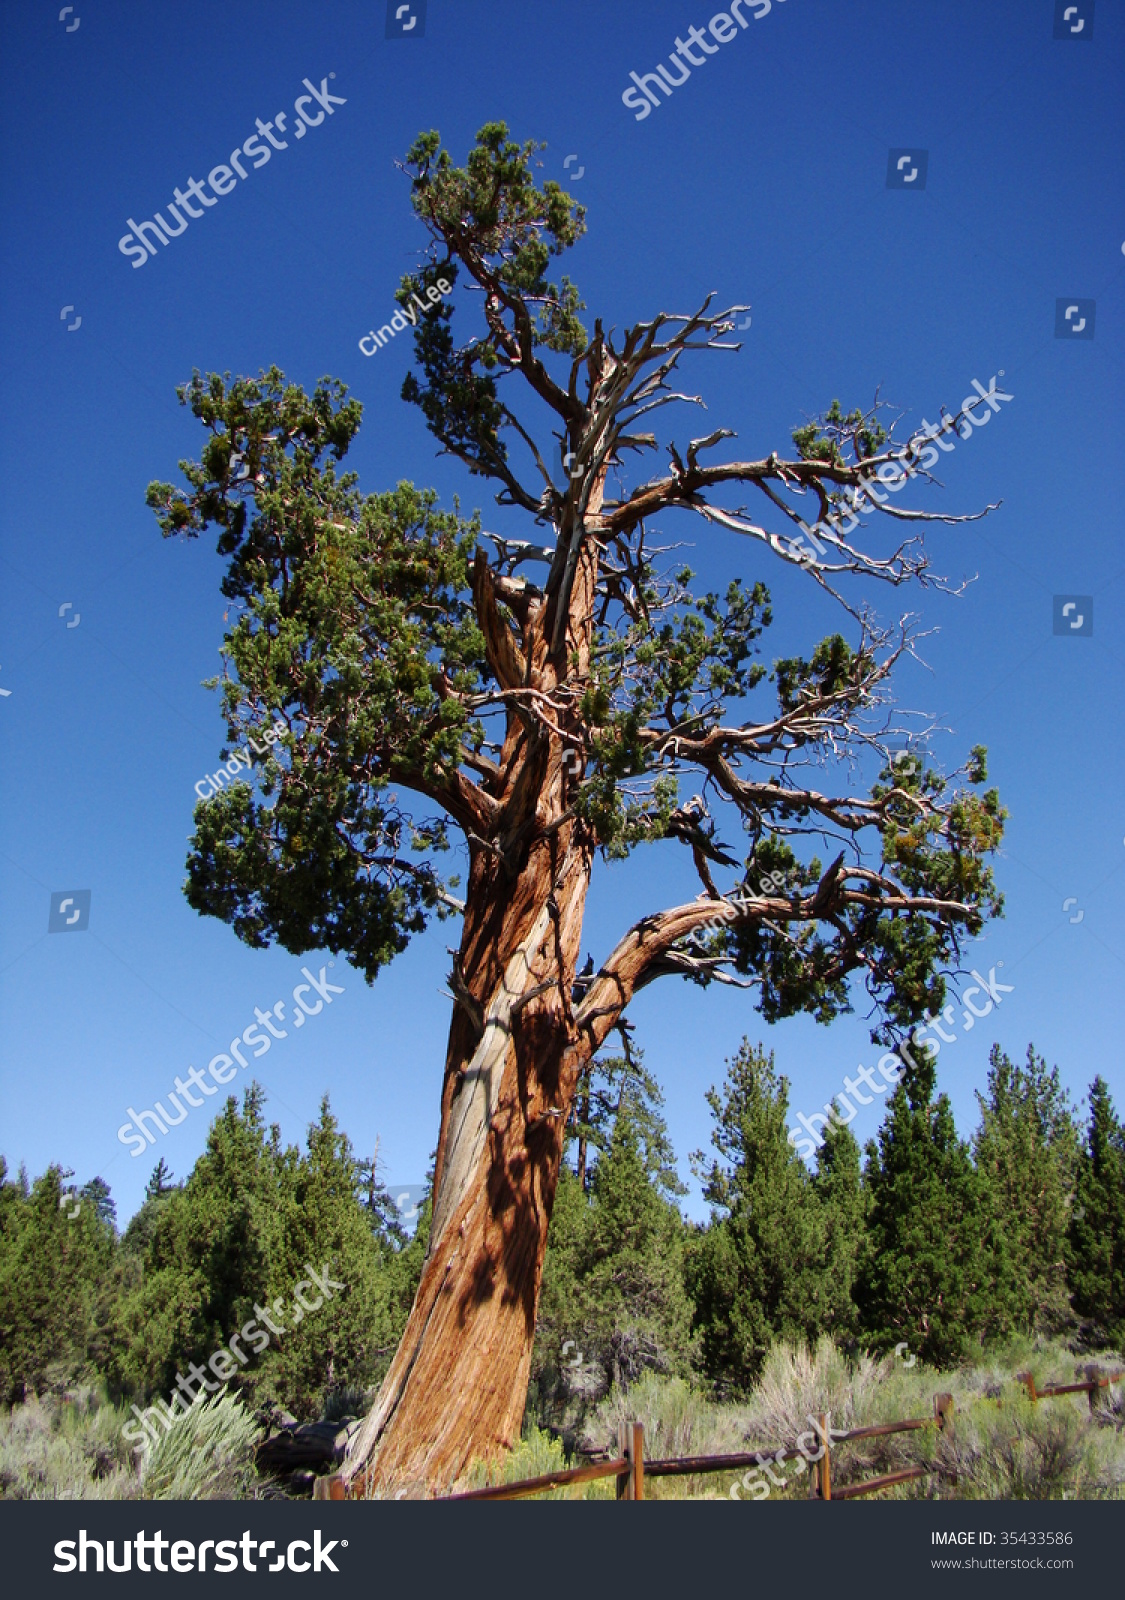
924	1247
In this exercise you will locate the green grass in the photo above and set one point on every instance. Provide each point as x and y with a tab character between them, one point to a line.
535	1455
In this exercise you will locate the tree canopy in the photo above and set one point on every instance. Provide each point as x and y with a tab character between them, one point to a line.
399	643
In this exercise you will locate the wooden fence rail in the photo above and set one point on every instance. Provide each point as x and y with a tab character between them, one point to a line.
630	1468
617	1468
1090	1386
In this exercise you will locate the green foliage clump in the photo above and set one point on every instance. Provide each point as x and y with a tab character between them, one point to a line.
242	1232
1025	1153
838	437
758	1273
56	1281
924	1274
613	1303
1096	1239
536	1454
356	620
207	1455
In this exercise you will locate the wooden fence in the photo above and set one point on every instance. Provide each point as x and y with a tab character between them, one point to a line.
630	1468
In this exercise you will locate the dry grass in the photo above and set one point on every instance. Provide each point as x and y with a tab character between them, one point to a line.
1003	1447
66	1448
71	1447
1010	1450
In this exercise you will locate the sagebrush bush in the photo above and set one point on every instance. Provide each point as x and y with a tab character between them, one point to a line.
65	1447
1010	1450
1018	1450
678	1419
207	1455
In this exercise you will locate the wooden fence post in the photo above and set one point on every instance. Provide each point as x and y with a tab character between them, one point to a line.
625	1448
943	1416
631	1444
1092	1378
1029	1384
824	1465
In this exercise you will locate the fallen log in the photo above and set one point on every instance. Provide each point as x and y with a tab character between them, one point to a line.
315	1446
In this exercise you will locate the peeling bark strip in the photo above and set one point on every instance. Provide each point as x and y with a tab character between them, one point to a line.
478	1092
457	1385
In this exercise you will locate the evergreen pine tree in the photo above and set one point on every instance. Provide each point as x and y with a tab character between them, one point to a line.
138	1234
248	1227
757	1273
377	1200
1026	1152
838	1185
611	1085
160	1181
203	1253
923	1273
347	1341
55	1257
558	1370
1096	1244
635	1315
96	1194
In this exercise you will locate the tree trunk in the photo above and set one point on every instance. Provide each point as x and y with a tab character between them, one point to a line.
457	1386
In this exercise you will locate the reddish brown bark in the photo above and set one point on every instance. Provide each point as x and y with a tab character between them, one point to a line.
457	1385
518	1042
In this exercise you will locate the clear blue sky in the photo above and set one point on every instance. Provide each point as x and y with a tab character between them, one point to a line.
764	178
